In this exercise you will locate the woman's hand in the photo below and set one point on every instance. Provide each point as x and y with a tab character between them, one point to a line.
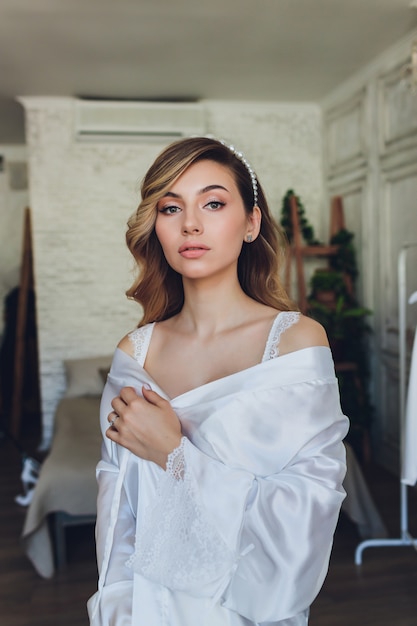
147	426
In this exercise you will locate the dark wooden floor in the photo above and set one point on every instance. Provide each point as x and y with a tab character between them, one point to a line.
383	592
26	599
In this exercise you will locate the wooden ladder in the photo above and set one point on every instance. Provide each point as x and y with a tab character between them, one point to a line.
298	251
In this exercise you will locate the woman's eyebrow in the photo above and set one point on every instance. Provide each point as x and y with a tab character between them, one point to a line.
172	194
211	187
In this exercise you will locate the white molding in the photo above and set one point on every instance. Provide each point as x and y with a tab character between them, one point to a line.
397	160
262	106
345	142
346	179
397	113
46	102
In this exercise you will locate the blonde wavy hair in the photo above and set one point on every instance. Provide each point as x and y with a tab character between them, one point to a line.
157	287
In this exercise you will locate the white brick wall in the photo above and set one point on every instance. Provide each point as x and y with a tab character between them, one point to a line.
81	195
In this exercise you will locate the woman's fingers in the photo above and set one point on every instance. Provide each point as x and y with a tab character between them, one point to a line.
112	418
128	394
147	426
152	397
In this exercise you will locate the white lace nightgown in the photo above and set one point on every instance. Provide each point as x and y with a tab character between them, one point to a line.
238	530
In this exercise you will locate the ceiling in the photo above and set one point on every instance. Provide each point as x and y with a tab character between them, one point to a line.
285	50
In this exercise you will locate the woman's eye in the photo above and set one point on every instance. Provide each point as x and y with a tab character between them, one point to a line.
214	205
169	210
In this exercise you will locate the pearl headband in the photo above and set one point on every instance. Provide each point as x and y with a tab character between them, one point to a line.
242	158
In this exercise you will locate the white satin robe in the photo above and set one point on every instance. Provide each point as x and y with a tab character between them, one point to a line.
238	530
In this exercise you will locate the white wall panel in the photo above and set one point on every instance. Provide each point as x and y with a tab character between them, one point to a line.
345	143
397	113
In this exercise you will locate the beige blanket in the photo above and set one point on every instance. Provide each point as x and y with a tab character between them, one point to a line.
67	479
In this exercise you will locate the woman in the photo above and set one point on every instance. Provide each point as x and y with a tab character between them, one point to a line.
221	478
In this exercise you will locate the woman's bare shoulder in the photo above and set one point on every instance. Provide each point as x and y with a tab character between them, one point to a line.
305	333
126	345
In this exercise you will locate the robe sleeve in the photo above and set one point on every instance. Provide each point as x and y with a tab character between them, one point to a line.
124	529
115	533
112	503
258	543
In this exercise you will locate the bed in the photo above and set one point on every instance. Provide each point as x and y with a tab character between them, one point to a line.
66	490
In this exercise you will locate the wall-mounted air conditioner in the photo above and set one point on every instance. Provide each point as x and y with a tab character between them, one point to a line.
105	120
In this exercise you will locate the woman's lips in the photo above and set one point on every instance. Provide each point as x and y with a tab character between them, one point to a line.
192	250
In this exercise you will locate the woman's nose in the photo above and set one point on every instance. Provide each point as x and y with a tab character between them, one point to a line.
191	223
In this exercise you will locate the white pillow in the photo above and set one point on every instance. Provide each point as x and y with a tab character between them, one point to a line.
83	376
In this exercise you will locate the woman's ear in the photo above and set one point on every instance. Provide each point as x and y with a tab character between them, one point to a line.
254	225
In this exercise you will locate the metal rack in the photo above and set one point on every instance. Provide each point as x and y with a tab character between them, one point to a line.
405	538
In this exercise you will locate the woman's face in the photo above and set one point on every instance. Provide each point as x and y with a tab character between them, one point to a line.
201	222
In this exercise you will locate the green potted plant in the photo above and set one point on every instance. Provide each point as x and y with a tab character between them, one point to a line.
306	228
326	285
345	259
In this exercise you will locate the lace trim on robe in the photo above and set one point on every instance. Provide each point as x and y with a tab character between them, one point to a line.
177	545
140	338
176	462
282	322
